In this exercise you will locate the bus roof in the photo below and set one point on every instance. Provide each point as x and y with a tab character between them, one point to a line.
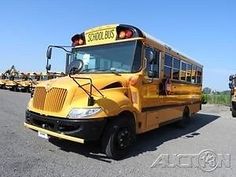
111	33
169	47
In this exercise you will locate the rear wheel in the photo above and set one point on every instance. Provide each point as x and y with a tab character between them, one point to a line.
118	136
27	89
185	119
233	112
14	88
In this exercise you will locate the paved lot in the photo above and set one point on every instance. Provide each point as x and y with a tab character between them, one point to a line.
23	153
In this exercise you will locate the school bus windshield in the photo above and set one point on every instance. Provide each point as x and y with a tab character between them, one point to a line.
122	57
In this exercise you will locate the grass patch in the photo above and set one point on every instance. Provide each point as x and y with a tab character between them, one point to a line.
224	99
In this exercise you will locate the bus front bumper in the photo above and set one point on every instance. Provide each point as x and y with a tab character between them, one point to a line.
54	134
64	128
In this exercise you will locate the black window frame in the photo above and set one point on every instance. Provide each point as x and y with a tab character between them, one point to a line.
176	68
189	71
199	75
183	70
167	65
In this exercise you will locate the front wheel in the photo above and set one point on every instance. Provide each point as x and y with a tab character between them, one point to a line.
185	119
233	112
119	135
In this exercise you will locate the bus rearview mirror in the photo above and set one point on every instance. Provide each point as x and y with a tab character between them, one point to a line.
231	77
150	56
49	53
231	85
48	67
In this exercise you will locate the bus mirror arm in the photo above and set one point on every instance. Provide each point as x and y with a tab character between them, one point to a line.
91	100
48	67
49	53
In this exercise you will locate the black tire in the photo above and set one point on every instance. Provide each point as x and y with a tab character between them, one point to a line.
185	119
14	88
27	89
233	112
118	137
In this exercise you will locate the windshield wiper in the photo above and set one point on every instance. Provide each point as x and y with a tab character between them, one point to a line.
115	72
89	69
98	69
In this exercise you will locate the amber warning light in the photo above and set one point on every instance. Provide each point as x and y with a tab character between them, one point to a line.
125	34
77	40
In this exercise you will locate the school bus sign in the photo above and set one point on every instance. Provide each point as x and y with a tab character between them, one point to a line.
104	34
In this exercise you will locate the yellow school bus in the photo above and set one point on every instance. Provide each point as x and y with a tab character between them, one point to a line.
232	86
2	80
28	81
31	79
121	82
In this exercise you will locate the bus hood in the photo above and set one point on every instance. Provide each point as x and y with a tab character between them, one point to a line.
101	82
58	96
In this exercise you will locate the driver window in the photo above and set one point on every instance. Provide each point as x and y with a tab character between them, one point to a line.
152	65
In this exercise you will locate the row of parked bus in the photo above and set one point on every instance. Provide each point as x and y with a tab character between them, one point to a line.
21	81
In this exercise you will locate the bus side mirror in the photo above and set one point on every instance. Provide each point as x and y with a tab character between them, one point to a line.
151	62
149	56
49	53
231	77
48	67
152	74
68	56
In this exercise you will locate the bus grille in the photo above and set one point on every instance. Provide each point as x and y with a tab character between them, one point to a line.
52	101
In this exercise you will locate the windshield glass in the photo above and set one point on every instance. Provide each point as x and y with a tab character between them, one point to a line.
123	57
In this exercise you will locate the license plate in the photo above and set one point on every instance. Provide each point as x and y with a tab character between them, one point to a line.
43	135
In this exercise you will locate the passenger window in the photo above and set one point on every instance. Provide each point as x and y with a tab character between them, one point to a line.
194	75
199	75
183	71
167	66
189	71
168	60
176	68
167	72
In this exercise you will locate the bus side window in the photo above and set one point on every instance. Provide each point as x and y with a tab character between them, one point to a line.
152	64
176	68
168	66
199	75
183	71
189	72
194	74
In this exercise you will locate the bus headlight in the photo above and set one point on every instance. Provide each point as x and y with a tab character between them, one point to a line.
78	113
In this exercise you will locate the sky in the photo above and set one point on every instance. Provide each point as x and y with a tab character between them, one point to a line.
202	29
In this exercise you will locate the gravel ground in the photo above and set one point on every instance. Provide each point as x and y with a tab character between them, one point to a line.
169	150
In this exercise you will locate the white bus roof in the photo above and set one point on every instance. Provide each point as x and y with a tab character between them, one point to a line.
170	47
